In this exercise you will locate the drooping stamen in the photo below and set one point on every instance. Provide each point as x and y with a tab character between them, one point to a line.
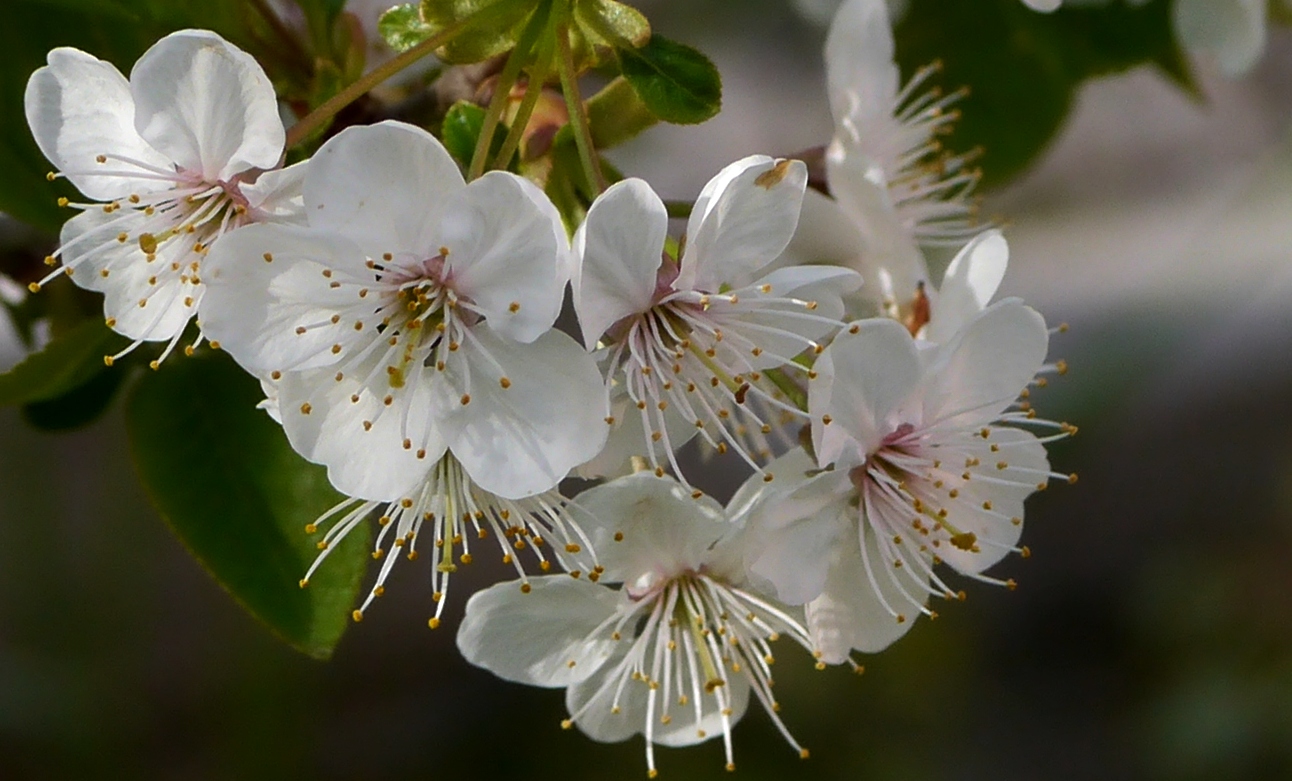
698	634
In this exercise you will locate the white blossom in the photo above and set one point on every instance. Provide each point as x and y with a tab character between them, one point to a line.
688	345
406	331
170	161
919	460
673	654
894	188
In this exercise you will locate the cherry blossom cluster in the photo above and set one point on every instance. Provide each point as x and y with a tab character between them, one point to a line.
401	320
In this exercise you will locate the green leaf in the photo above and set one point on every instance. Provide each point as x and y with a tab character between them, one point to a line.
494	26
402	27
1022	68
677	83
461	132
70	360
78	407
223	476
612	23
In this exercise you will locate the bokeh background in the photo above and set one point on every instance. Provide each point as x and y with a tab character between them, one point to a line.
1150	637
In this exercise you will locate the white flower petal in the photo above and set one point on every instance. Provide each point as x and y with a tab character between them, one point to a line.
125	278
542	637
984	368
383	186
618	248
1232	31
80	107
790	527
254	307
716	186
607	719
327	426
1044	6
825	234
523	439
683	729
822	285
743	221
276	196
849	615
504	254
207	105
864	383
608	722
628	438
888	257
664	529
994	528
860	73
969	284
270	403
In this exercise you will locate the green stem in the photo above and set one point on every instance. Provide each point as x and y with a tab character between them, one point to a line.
578	112
329	108
502	93
533	91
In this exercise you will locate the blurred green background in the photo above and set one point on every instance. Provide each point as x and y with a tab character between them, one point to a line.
1150	636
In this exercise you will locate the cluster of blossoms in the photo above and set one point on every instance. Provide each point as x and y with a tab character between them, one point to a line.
401	321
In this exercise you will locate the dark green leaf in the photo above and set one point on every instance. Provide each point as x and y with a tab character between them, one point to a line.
223	476
677	83
1022	67
78	407
402	27
70	360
